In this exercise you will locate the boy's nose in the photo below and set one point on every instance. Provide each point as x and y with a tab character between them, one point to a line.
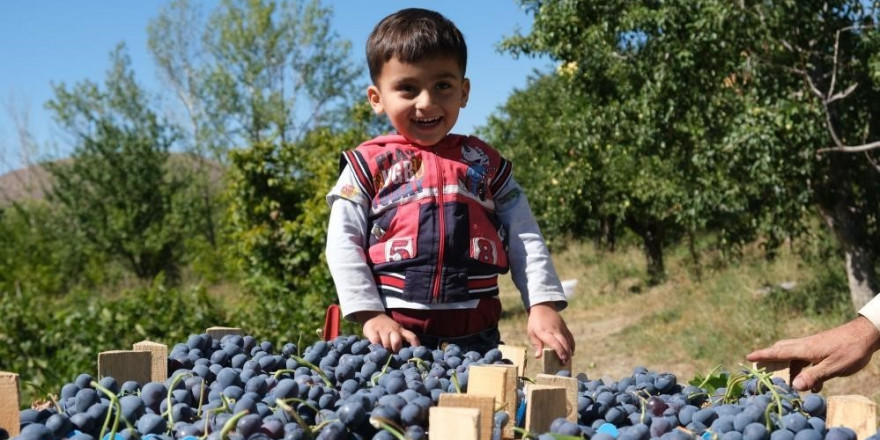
424	100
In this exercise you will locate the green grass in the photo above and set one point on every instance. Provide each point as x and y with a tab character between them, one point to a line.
696	319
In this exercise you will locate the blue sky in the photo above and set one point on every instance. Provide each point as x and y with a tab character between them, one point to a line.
53	41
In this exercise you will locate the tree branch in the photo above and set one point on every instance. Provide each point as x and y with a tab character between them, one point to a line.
850	148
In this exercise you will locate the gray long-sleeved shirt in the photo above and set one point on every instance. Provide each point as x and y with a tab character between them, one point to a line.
530	264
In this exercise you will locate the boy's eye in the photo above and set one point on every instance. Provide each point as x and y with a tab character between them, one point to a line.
444	86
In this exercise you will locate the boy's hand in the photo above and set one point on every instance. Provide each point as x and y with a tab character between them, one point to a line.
546	327
379	328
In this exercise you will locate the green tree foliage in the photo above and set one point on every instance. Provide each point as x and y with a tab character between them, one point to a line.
49	346
39	252
117	191
266	86
708	116
254	70
647	81
278	214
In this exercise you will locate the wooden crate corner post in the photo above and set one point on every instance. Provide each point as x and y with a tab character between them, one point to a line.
219	332
545	403
517	355
781	369
125	365
498	381
853	411
571	392
486	405
10	396
158	359
454	423
551	364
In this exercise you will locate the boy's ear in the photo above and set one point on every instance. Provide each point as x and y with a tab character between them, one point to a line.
465	91
375	98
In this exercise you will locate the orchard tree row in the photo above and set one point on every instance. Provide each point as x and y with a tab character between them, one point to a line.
671	119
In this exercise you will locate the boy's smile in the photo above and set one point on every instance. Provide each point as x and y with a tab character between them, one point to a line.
421	99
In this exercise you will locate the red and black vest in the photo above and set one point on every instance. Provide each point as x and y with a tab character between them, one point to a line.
433	233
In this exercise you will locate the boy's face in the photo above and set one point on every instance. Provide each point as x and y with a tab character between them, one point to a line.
422	100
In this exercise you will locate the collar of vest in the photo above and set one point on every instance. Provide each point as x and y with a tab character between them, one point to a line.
399	139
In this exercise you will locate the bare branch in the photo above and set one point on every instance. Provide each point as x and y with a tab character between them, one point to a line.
851	149
842	94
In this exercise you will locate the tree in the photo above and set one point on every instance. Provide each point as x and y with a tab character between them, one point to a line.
253	80
278	213
818	74
116	190
653	107
730	113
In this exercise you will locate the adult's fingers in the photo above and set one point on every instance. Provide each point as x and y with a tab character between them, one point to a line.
784	350
812	378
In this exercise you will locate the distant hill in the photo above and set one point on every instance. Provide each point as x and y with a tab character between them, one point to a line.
33	182
23	184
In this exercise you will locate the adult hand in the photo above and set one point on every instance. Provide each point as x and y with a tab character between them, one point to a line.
546	327
840	351
380	329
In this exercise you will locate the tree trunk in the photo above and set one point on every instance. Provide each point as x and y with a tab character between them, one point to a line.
652	234
606	239
848	226
653	240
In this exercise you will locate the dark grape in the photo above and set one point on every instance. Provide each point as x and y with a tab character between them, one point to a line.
656	405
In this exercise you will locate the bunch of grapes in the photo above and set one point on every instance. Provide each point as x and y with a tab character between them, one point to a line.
236	388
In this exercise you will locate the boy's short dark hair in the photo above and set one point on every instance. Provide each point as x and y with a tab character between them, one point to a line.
413	35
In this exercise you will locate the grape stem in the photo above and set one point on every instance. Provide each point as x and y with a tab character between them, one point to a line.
375	378
302	423
764	378
230	424
169	396
314	368
114	403
222	408
388	425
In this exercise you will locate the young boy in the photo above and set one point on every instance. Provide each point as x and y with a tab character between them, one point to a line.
422	222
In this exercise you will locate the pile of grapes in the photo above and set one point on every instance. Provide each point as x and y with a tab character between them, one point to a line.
238	389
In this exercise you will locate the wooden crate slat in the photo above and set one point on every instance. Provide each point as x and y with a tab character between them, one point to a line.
571	391
551	364
125	365
853	411
517	355
544	404
454	423
486	405
10	400
158	359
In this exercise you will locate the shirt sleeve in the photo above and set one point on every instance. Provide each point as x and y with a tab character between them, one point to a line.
346	243
531	267
871	310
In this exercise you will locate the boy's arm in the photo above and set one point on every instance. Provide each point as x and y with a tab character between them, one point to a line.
533	273
346	258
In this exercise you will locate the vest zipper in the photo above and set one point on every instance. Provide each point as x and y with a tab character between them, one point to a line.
435	295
